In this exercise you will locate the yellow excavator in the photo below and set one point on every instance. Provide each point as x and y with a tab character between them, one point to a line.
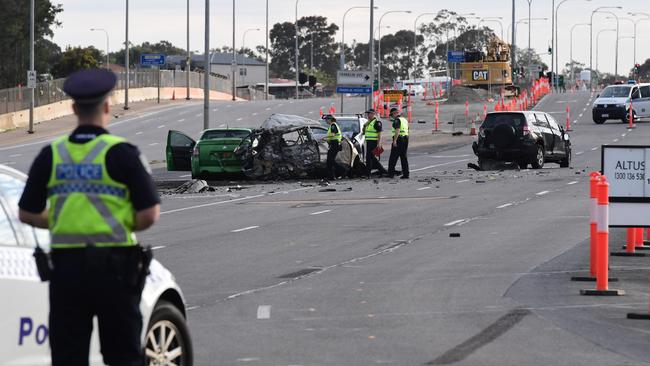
491	71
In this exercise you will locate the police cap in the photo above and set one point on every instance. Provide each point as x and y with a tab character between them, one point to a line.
371	111
393	110
329	117
90	85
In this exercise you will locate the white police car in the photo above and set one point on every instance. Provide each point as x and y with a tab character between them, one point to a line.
24	298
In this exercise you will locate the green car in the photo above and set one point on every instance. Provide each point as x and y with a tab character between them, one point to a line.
213	153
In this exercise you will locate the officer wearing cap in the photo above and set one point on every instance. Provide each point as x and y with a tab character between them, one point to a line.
400	127
333	137
372	130
92	190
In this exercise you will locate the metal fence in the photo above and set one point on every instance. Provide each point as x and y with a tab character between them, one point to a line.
16	99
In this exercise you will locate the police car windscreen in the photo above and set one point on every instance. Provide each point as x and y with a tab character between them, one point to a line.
616	92
512	119
348	125
210	135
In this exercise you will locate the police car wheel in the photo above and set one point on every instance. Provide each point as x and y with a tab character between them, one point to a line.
168	339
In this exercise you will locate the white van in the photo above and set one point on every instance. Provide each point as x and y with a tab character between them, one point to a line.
614	102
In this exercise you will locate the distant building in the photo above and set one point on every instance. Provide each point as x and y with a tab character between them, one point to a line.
250	71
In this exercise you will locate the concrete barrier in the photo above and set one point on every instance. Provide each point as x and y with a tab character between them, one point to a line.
63	108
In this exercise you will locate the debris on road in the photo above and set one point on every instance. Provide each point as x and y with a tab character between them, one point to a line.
193	186
454	235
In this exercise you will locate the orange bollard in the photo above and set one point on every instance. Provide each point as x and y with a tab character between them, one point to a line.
321	112
631	117
594	178
568	118
437	119
634	241
602	245
630	243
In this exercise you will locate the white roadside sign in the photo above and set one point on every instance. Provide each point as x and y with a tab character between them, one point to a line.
354	78
629	184
31	79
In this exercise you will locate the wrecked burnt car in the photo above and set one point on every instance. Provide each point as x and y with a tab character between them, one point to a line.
290	147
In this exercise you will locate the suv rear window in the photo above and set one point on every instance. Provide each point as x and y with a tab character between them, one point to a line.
517	120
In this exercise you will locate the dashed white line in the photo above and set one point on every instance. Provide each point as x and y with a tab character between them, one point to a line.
615	140
455	222
215	110
505	205
15	155
158	247
580	115
139	133
181	120
437	165
423	188
211	204
9	163
247	359
185	176
623	135
254	113
198	115
320	212
541	193
580	152
268	108
244	229
572	183
222	125
161	126
192	308
310	112
463	181
229	105
239	119
594	148
264	312
154	144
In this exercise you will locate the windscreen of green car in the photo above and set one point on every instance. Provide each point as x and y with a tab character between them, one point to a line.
224	134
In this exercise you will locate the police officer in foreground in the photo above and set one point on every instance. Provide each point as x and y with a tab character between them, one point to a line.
400	127
372	130
333	137
93	190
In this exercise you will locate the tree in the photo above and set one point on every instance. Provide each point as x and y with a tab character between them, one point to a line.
77	58
325	48
14	38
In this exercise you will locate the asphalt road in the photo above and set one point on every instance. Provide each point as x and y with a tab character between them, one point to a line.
286	274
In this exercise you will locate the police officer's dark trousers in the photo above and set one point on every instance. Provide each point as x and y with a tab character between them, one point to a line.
334	148
371	160
400	151
89	282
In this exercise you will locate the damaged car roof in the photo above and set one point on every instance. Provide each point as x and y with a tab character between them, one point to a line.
284	122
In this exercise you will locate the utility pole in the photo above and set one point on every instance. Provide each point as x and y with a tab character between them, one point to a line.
189	55
206	67
234	55
266	68
513	51
297	52
371	53
126	60
31	67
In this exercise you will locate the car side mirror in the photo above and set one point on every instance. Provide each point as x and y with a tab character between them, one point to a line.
597	95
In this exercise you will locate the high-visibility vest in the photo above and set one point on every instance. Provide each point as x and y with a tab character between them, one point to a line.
87	207
371	133
403	127
338	136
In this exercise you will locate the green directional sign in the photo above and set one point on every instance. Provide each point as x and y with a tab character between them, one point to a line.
375	84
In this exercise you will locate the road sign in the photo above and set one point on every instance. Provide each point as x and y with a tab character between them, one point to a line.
31	79
393	95
152	59
353	90
456	56
629	184
353	78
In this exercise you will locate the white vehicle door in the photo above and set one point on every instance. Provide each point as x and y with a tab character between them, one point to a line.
24	308
643	110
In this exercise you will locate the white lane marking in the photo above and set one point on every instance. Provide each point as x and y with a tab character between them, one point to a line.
161	126
211	204
239	119
185	176
463	181
455	222
450	156
15	155
423	188
181	120
280	105
505	205
580	152
158	247
268	108
215	110
222	125
310	112
198	115
623	135
572	183
541	193
615	140
264	312
192	308
9	163
247	359
254	113
229	105
154	144
594	148
139	133
320	212
442	164
580	115
244	229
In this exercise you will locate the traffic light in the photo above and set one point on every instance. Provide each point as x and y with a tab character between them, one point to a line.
550	50
312	81
302	78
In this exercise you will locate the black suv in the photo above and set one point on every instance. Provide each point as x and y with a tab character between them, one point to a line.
524	138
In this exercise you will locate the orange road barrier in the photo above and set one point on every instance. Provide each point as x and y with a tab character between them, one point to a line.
633	241
594	178
568	118
602	245
472	130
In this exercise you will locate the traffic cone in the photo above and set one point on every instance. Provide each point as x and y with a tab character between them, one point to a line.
320	111
472	130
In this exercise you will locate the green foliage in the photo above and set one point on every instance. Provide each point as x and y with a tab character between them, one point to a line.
14	39
76	58
164	47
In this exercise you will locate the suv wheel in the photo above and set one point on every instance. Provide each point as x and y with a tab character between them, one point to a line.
168	338
538	162
522	164
564	163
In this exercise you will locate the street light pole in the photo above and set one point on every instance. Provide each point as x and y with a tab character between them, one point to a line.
297	53
598	40
591	39
243	49
379	40
189	55
371	53
106	34
342	48
31	66
513	53
234	56
530	56
206	67
266	68
415	42
126	60
495	20
635	24
571	46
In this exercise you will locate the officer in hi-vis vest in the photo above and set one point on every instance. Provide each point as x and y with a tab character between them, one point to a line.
92	190
372	130
333	137
400	127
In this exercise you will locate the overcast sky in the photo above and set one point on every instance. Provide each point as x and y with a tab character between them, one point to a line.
154	20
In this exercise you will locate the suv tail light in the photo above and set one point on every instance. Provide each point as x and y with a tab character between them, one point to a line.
196	151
